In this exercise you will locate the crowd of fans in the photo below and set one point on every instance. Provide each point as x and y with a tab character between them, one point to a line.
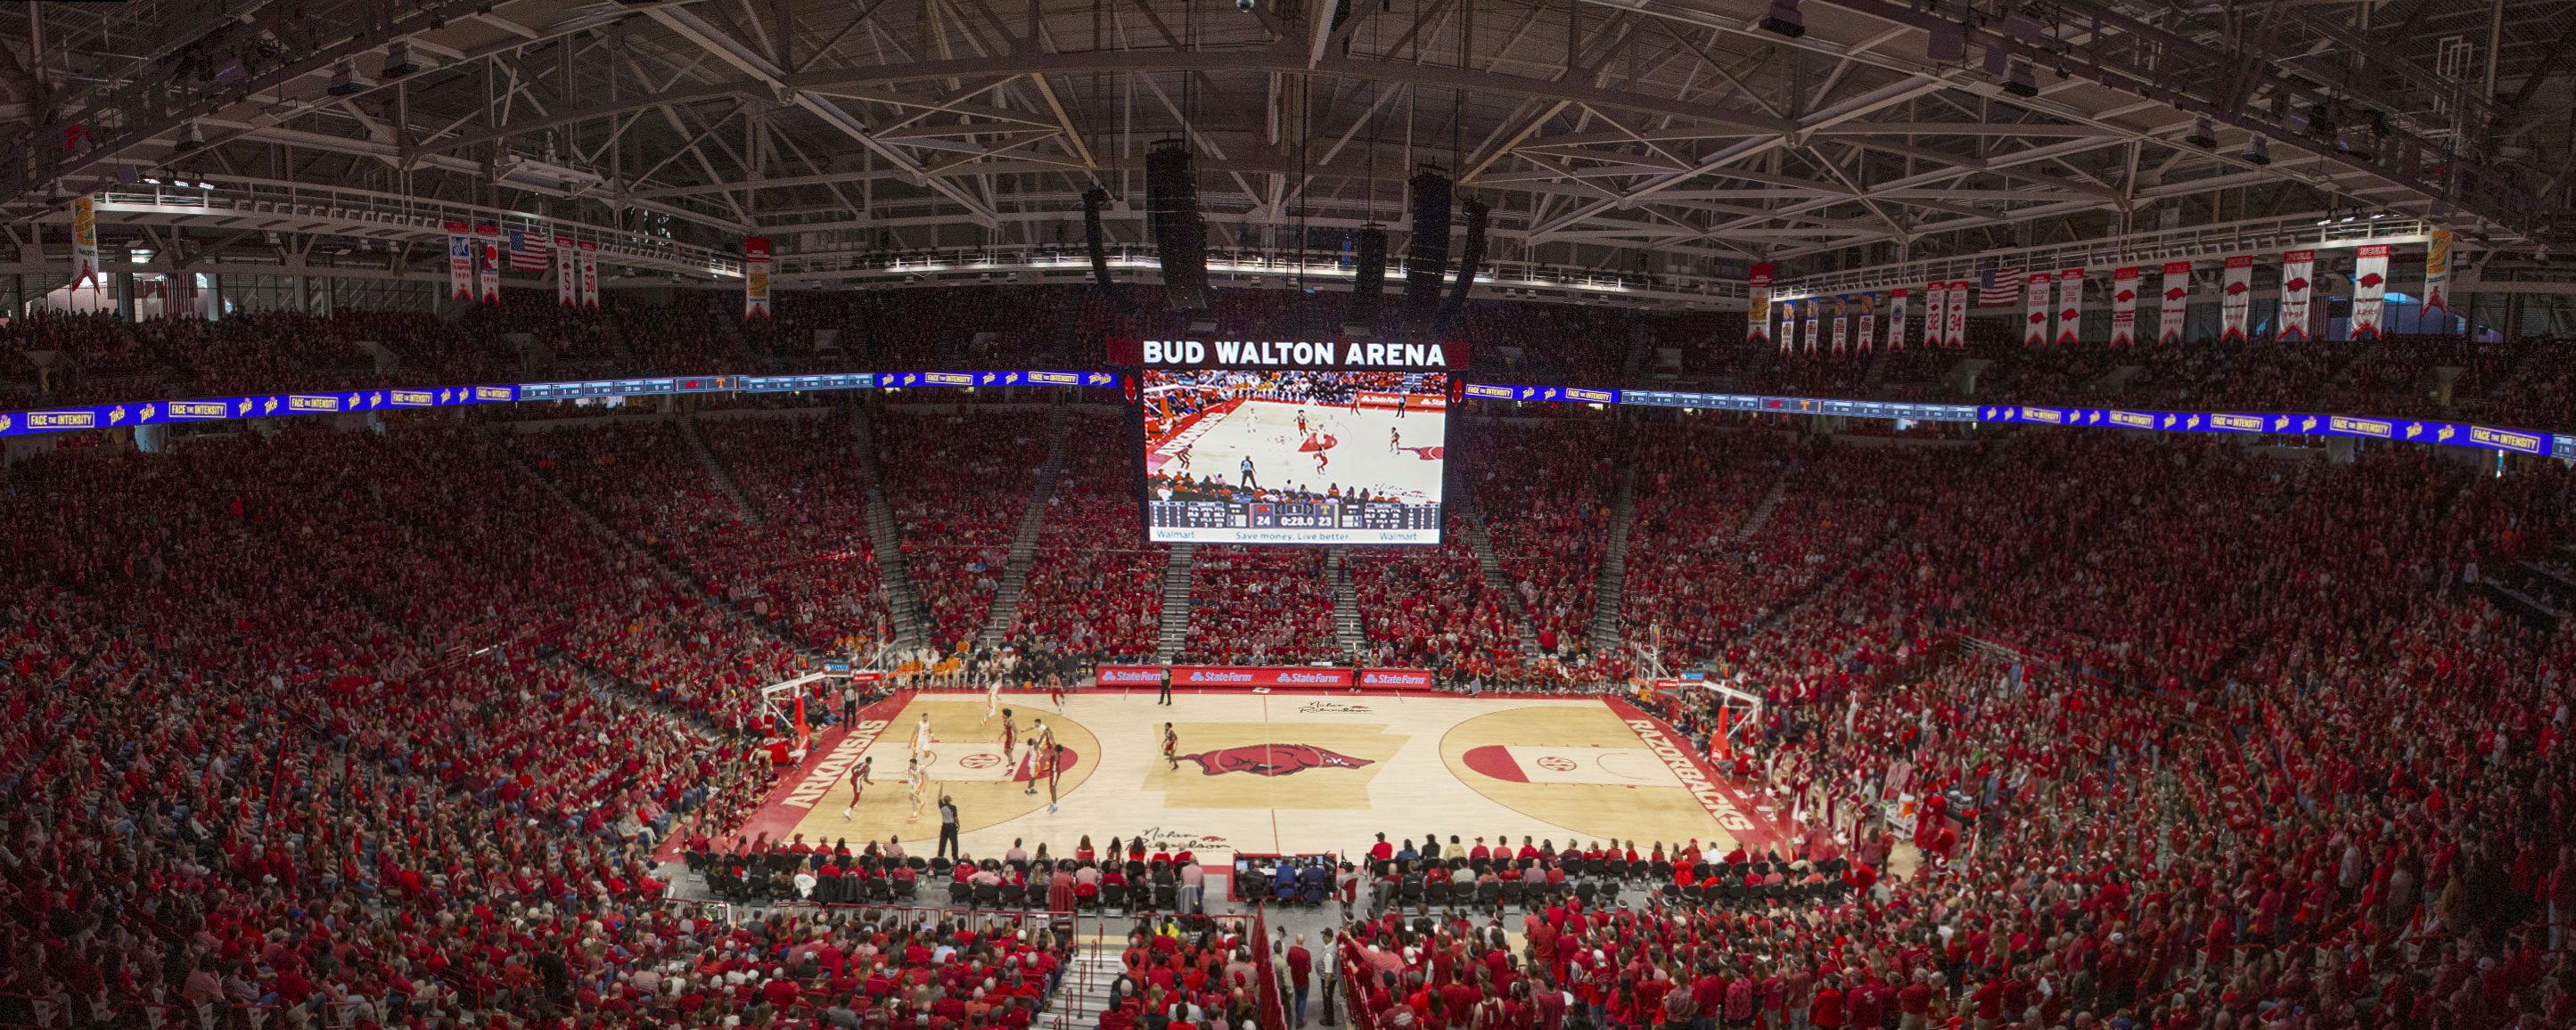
959	481
1094	586
1260	606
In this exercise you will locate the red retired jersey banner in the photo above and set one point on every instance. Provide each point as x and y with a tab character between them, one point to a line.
1896	320
567	273
589	274
2298	275
2070	306
2369	288
1954	329
2177	302
2035	309
2124	307
1757	305
2236	299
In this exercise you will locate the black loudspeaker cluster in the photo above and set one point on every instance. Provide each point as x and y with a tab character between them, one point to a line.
1427	254
1180	239
1370	288
1470	256
1094	239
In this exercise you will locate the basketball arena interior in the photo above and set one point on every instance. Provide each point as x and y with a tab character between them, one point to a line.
1259	514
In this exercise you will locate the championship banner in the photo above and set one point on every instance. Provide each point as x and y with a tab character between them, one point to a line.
2298	272
567	274
2177	302
2236	299
460	263
589	274
1788	327
2070	307
2035	317
1868	326
2437	273
2369	286
755	277
1954	329
1815	324
1842	322
1896	320
85	243
1757	305
2124	307
487	261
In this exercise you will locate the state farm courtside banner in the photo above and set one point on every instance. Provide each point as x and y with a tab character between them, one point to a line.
2070	307
2369	290
460	262
85	243
1757	305
1954	329
2236	299
487	261
2298	274
1247	676
2177	302
2437	273
755	277
1842	322
2035	309
2124	307
1896	320
589	274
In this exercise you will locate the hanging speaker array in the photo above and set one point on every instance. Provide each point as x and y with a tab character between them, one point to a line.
1470	256
1427	253
1370	287
1094	238
1180	239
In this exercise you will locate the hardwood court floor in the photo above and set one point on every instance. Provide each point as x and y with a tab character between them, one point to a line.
1282	773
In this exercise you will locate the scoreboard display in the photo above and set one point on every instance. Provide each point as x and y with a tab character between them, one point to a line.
1267	456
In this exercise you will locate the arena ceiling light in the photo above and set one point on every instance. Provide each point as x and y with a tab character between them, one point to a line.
1784	19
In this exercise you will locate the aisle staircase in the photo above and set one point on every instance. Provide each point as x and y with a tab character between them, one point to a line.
1085	991
617	348
1762	509
716	470
1613	580
1024	541
903	603
1876	373
1346	603
1175	630
1480	539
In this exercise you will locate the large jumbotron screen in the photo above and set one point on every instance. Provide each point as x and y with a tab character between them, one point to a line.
1235	456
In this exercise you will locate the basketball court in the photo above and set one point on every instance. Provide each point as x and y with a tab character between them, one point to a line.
1273	773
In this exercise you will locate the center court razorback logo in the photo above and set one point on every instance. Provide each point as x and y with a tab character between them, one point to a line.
1272	759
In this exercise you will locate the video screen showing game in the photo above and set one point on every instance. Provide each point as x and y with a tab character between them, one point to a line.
1235	456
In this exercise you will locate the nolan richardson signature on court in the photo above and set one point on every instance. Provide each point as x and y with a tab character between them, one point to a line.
1328	707
1160	839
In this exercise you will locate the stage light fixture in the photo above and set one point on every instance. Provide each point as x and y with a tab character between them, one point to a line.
2258	151
2202	134
191	136
2020	82
398	59
1784	19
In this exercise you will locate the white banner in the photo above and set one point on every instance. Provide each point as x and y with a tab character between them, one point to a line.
2035	317
2298	275
2369	287
1788	327
589	274
1896	320
1936	310
755	277
2177	302
1954	329
2124	307
567	273
1842	323
1815	324
460	262
487	262
2236	299
1757	305
1868	325
2070	307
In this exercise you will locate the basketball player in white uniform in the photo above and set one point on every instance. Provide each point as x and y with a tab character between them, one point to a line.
921	740
992	701
919	782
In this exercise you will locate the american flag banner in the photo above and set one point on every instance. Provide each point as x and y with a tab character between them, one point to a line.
1896	320
527	251
2034	331
1999	288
